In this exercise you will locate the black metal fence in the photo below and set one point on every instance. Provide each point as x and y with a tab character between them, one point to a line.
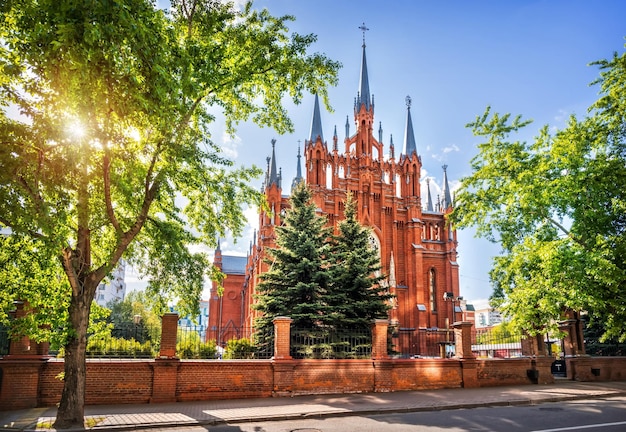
330	343
126	340
605	349
233	342
194	342
422	343
4	340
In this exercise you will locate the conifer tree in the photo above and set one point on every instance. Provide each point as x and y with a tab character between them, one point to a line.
357	296
298	278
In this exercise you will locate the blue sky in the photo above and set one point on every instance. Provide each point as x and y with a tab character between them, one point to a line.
454	58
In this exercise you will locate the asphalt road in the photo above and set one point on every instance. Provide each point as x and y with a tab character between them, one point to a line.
594	415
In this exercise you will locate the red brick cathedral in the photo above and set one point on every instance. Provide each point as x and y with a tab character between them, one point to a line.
417	247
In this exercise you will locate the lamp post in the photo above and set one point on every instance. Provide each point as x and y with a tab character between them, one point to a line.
458	299
448	296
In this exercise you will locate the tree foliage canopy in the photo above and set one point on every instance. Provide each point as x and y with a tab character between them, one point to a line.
558	208
106	143
359	295
297	280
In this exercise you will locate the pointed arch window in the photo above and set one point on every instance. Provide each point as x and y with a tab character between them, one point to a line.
329	176
398	186
432	289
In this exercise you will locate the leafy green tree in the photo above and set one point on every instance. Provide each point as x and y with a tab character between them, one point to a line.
558	208
298	278
356	294
111	153
137	304
136	309
27	274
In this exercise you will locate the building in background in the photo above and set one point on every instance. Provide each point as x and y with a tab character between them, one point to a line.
112	289
416	244
198	324
487	317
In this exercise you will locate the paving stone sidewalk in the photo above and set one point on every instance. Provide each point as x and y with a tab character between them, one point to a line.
145	416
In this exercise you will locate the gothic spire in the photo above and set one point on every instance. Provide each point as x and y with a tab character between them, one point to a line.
316	122
429	203
273	177
363	97
409	136
298	177
447	198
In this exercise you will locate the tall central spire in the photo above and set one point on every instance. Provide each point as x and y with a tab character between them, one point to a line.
316	122
363	97
409	136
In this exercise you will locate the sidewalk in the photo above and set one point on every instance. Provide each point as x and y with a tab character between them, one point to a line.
129	417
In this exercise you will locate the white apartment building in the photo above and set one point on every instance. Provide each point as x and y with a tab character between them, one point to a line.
112	288
487	317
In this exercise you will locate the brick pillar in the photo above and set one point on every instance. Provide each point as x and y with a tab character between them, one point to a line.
573	342
165	368
19	374
463	351
169	329
379	339
534	346
21	346
164	380
282	338
463	340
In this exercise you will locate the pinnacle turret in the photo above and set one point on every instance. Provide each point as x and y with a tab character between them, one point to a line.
298	179
429	202
447	197
273	176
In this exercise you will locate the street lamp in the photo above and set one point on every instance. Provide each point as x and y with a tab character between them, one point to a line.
458	299
448	296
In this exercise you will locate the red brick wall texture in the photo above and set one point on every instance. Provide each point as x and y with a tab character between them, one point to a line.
27	384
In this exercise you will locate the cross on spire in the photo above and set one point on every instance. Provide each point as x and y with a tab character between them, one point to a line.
363	29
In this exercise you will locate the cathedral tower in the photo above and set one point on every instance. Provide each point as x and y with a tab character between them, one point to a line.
416	245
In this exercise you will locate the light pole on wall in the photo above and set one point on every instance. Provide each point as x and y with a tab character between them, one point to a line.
449	297
458	299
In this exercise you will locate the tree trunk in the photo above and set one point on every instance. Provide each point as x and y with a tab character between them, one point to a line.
72	407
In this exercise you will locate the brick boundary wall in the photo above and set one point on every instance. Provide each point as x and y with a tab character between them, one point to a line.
30	379
28	384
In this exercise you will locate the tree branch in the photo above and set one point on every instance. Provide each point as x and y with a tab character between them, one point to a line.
67	263
106	174
31	233
129	235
